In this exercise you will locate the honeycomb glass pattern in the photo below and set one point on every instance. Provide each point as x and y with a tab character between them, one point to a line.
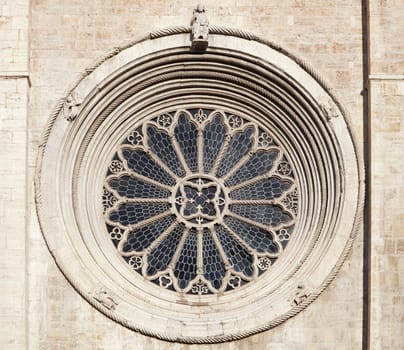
186	135
130	187
213	266
240	144
185	269
214	134
201	198
141	238
264	189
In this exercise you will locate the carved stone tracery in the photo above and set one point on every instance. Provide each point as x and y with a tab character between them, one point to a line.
203	196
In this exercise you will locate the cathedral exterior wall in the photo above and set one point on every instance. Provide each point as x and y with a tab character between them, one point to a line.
14	87
59	39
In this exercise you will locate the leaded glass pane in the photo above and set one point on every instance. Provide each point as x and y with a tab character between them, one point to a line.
237	255
214	134
140	162
185	269
186	134
257	238
258	164
161	256
140	239
240	144
161	145
265	214
263	189
130	187
213	265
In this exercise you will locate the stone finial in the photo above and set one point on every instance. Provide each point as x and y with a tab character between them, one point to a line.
199	30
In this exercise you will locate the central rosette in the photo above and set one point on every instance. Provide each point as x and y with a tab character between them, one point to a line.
199	201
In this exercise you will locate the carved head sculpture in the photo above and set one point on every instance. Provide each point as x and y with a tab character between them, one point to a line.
200	8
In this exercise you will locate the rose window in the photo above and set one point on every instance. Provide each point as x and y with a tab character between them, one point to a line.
199	197
200	201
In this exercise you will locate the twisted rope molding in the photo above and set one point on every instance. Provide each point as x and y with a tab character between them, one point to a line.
243	34
219	30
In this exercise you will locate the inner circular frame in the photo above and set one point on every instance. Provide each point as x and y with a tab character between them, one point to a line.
221	195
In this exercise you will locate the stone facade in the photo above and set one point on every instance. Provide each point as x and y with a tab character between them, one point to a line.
14	90
44	47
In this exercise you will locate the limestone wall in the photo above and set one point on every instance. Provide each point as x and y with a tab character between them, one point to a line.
14	85
386	90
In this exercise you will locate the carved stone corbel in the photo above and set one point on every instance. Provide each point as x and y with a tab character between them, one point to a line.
105	298
71	107
199	30
301	294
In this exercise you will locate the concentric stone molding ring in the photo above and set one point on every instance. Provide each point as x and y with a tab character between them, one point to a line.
199	198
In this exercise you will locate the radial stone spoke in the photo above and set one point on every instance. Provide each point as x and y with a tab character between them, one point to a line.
162	164
214	268
238	149
130	186
161	145
142	237
259	163
200	150
220	156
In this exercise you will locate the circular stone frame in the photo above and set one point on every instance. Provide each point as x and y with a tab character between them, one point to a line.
179	187
240	73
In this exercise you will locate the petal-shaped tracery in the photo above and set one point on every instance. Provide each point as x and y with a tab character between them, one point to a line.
141	163
133	213
161	256
186	133
214	269
186	266
259	163
265	189
240	144
130	187
214	135
140	239
160	143
265	214
203	201
263	241
240	259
